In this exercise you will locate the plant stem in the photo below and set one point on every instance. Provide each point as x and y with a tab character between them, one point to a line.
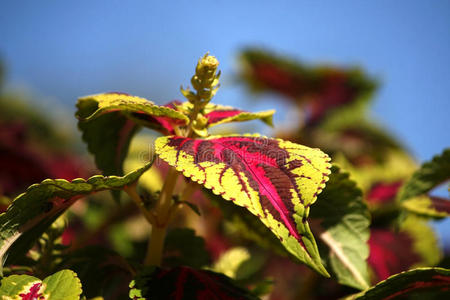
156	242
155	246
165	198
131	191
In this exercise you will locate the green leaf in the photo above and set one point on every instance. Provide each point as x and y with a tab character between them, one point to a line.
184	283
422	283
61	285
109	121
341	218
32	212
273	179
183	247
108	138
429	175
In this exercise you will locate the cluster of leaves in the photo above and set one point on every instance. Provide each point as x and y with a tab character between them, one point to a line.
367	210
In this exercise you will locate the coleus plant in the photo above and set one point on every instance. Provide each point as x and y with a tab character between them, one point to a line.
278	187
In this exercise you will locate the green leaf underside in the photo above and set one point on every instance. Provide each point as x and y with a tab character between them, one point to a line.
108	138
430	175
61	285
33	211
424	283
275	180
184	283
343	225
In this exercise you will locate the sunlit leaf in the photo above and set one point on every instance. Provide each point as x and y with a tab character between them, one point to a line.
341	219
185	283
41	204
423	283
216	114
275	180
61	285
109	121
103	103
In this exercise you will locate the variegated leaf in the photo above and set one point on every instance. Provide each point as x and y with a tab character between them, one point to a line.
32	212
185	283
422	283
126	103
109	121
61	285
216	114
321	89
275	180
428	206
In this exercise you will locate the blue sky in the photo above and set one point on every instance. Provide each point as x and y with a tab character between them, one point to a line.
62	50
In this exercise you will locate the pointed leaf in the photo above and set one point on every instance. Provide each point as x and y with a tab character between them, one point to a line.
428	206
220	114
185	283
61	285
342	220
321	89
34	211
430	175
422	283
275	180
109	121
